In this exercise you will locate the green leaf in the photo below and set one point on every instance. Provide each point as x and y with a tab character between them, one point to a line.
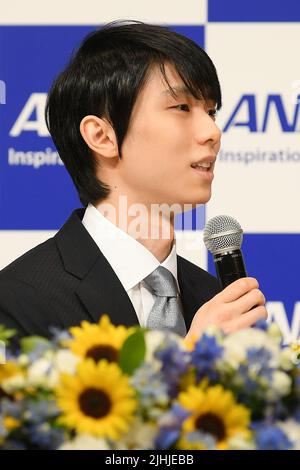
132	352
29	343
6	334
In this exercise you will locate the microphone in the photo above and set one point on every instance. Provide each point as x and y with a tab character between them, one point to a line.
223	237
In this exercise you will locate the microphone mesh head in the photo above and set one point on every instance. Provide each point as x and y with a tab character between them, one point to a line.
222	233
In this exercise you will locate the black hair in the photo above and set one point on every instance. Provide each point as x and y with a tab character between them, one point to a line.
104	78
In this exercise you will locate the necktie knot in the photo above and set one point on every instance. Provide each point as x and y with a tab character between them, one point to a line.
166	313
162	283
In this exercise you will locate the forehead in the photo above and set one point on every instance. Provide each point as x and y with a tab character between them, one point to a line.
156	83
159	90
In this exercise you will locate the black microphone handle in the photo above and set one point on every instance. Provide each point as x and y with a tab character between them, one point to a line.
229	267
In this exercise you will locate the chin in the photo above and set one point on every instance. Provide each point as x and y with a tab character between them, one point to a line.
192	201
196	201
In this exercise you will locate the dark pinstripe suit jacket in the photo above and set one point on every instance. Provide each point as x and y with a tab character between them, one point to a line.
67	279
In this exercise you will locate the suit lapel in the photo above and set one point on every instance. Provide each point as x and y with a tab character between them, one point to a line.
196	286
188	291
100	290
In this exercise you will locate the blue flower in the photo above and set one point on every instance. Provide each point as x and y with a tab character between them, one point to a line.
174	365
206	352
259	356
150	385
59	335
250	385
297	415
38	412
29	411
166	438
259	361
11	408
11	356
170	427
43	436
270	437
261	325
36	431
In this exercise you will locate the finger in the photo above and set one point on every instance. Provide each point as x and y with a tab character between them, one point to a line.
246	320
237	289
245	303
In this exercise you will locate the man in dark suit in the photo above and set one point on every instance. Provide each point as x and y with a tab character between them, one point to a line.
132	116
67	279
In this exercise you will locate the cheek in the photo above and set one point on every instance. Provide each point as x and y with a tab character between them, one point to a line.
153	148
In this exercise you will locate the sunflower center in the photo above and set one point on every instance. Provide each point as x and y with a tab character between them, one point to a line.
95	403
103	351
212	424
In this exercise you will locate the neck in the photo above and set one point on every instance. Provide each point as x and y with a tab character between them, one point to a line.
153	229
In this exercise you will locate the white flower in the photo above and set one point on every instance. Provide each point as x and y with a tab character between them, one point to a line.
286	358
213	330
38	373
23	360
45	371
275	332
295	352
141	436
155	339
85	442
292	430
16	382
238	442
65	361
237	344
281	382
280	385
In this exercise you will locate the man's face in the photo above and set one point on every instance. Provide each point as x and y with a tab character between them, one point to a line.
166	136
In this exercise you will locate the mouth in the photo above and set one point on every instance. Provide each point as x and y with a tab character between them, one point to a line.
205	164
204	168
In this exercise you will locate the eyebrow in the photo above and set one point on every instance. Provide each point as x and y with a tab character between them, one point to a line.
177	90
180	90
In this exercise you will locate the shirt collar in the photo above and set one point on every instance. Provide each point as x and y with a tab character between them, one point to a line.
130	260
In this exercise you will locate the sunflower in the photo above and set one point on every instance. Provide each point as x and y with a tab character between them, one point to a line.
11	423
7	371
98	341
214	411
97	401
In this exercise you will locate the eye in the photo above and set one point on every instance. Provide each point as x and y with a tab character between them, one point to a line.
182	107
213	113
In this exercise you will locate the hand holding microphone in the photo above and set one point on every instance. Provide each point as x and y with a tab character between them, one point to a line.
241	303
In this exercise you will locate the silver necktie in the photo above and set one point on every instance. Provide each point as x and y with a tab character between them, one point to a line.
166	313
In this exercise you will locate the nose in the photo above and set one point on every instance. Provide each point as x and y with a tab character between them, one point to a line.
208	131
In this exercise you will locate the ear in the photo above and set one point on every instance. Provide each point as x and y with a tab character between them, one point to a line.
99	135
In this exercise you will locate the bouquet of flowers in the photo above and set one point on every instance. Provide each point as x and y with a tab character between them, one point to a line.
100	386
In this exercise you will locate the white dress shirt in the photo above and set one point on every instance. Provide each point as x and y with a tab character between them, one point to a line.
129	259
